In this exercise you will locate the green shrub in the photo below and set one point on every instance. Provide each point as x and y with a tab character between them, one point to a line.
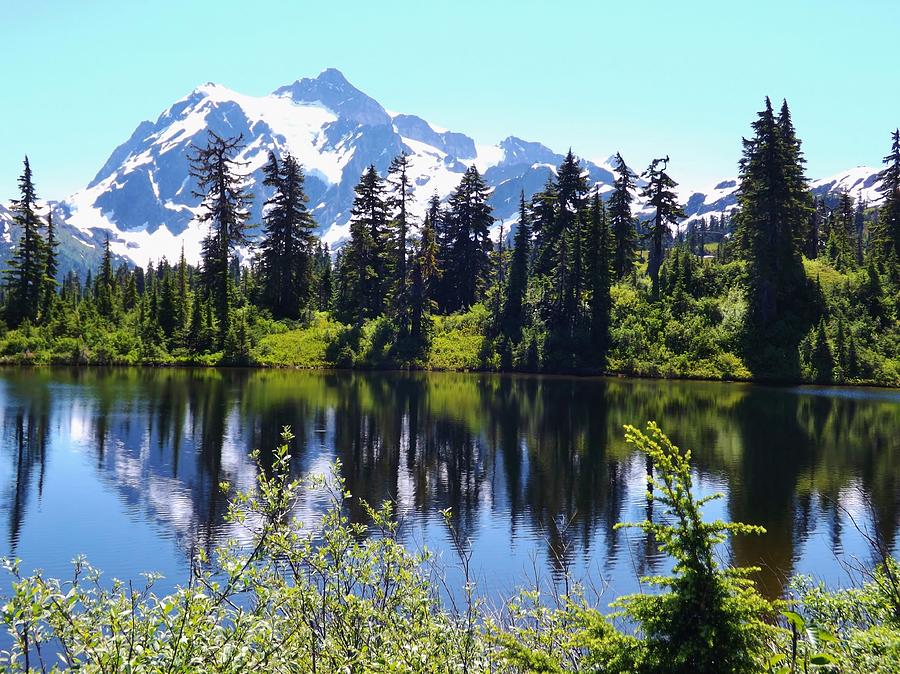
708	618
458	341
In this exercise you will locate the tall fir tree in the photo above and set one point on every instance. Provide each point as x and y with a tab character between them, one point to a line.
813	229
286	260
424	276
621	220
105	285
499	261
859	228
182	299
51	269
399	198
226	203
601	276
130	296
660	195
571	234
25	277
772	198
544	227
821	359
516	286
468	261
167	313
324	277
363	276
885	238
200	333
840	248
800	203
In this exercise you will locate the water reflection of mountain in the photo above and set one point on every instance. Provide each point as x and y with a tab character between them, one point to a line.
541	453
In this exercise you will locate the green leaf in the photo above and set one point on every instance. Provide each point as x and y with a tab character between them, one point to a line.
795	620
823	635
822	659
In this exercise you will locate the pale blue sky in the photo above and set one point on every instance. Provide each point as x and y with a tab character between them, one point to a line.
679	78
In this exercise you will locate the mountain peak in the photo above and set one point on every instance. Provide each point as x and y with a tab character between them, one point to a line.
334	77
209	89
331	89
519	151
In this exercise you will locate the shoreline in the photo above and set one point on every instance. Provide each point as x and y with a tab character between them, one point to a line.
579	374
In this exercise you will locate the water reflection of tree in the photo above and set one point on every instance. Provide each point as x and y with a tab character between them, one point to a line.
571	483
26	431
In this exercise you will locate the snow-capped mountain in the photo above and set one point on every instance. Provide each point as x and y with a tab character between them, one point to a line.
78	251
143	196
6	225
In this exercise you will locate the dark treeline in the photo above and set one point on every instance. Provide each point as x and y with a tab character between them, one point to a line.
784	286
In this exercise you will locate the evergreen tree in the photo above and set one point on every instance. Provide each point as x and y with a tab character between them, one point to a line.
813	229
167	311
363	277
469	220
885	241
852	358
544	227
399	197
771	213
437	217
435	213
225	208
621	221
25	277
822	220
498	276
660	195
286	260
871	295
324	277
427	256
801	200
130	297
601	272
199	336
182	297
821	359
236	348
424	275
513	313
840	347
105	286
139	280
88	285
51	269
571	235
841	246
859	224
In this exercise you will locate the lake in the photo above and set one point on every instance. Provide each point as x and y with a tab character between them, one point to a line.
124	466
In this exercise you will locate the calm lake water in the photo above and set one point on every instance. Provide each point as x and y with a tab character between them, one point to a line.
123	466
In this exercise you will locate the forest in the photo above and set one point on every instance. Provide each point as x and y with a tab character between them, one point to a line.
786	287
